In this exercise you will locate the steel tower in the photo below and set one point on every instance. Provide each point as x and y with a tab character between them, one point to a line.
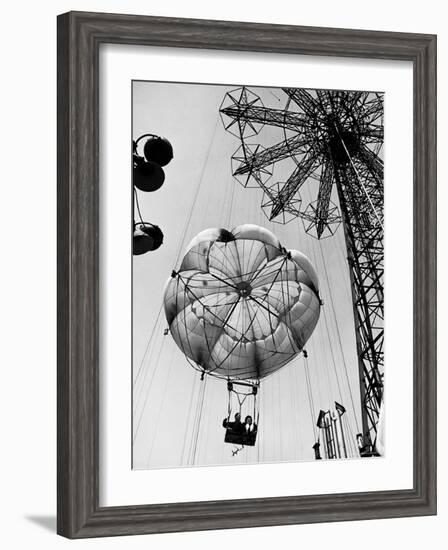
334	138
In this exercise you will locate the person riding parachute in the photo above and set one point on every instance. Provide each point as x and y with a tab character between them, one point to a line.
241	306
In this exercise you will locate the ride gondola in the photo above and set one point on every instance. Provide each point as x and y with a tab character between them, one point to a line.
240	307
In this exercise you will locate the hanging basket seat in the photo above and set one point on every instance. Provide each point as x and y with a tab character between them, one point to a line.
246	439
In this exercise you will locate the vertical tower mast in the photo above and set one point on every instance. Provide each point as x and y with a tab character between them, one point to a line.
365	258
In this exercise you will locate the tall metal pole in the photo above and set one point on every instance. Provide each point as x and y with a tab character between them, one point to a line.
365	258
340	434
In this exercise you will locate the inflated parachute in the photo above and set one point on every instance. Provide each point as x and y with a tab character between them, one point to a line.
241	306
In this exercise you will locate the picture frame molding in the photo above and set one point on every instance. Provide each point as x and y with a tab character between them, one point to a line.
80	35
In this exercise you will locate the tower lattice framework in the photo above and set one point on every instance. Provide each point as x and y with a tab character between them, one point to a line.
335	138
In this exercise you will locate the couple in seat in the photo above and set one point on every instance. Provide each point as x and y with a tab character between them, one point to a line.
240	432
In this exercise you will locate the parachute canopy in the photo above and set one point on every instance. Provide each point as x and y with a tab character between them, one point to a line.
241	306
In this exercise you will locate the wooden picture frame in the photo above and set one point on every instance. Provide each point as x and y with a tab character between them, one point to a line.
79	38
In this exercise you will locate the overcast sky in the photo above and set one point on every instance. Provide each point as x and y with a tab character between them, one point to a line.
169	399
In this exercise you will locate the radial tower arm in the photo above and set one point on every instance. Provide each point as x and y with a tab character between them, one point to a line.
263	115
323	198
285	149
292	186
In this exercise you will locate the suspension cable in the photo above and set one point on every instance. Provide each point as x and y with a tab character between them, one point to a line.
195	198
190	406
339	335
310	397
198	420
138	206
147	348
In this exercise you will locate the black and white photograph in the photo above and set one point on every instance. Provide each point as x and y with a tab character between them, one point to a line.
224	330
258	293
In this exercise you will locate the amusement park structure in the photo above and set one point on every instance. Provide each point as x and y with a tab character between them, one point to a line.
334	138
148	176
